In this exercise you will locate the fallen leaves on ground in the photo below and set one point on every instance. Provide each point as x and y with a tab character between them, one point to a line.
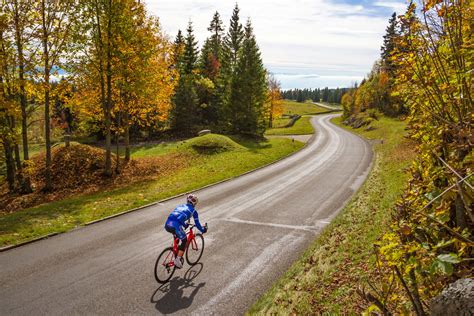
78	169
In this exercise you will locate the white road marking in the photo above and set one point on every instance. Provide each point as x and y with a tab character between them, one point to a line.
313	229
259	265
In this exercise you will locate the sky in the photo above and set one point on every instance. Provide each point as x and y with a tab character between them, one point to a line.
304	43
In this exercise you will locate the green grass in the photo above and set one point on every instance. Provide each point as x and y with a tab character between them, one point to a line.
240	155
324	279
302	127
211	143
334	105
281	122
151	150
306	108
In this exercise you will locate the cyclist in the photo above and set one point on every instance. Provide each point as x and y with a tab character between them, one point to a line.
176	225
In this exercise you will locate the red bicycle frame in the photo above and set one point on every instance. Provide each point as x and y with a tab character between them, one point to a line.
189	240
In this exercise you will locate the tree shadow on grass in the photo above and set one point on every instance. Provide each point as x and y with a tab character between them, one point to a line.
253	144
170	297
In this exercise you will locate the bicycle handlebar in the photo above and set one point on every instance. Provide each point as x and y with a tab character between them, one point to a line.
190	226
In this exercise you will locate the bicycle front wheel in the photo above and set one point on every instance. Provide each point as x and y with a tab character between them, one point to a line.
195	249
164	266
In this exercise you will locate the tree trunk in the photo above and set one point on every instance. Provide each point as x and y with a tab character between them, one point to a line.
23	180
108	142
127	138
21	75
48	181
270	124
25	184
104	100
10	164
17	157
117	153
47	125
108	74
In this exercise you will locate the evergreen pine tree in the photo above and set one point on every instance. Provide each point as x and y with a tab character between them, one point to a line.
389	45
210	66
390	105
178	50
217	29
190	54
185	114
300	96
331	96
248	89
211	53
234	38
231	47
325	94
317	95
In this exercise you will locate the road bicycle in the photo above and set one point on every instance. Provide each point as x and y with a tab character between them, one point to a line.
164	266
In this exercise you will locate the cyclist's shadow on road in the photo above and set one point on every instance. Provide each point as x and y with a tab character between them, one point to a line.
173	298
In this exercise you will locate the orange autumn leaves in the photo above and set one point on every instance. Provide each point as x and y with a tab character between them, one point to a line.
142	76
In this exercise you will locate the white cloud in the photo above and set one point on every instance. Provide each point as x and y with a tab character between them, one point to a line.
398	7
323	37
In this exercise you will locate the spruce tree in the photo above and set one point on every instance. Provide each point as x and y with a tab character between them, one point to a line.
325	95
390	105
300	96
190	55
248	88
211	53
217	29
210	67
185	114
231	47
389	45
234	38
178	50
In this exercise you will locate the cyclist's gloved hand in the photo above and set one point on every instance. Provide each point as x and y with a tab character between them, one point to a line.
186	225
204	230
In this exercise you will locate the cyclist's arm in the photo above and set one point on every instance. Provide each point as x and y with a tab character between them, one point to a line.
196	221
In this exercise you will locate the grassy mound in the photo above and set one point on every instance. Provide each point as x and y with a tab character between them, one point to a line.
212	143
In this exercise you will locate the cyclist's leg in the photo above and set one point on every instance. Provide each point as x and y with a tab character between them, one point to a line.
181	234
178	231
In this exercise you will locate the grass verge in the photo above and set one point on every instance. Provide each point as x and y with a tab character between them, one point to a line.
325	278
207	166
301	127
306	108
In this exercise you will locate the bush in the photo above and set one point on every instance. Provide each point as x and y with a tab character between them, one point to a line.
374	113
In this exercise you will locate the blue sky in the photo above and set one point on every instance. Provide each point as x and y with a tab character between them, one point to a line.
305	43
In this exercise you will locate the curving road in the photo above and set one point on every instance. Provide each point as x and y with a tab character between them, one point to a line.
259	224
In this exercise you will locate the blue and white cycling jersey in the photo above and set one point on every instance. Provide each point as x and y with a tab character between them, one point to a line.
177	219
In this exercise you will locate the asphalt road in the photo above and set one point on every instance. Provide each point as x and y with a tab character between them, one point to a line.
258	225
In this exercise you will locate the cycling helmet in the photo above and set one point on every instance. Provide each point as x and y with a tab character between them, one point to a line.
192	199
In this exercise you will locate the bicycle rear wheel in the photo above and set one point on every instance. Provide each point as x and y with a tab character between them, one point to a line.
164	266
195	249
